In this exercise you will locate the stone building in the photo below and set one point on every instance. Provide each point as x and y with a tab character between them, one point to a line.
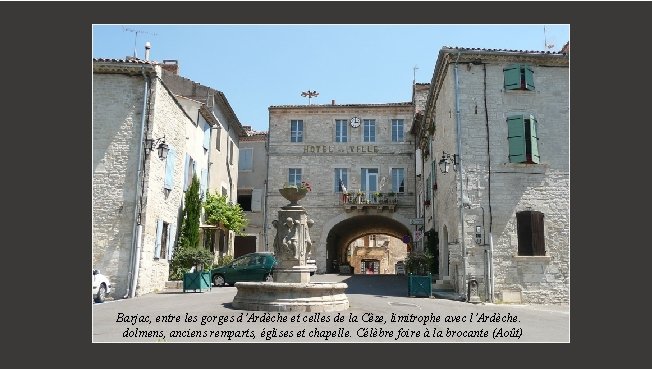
364	149
375	254
213	147
137	191
252	185
495	163
138	107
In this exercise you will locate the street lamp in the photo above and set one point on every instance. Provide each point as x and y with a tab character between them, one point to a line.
159	144
309	94
446	161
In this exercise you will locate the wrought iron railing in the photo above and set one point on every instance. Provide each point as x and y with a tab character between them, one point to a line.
372	198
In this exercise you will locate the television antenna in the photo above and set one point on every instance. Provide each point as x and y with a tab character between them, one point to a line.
136	32
414	74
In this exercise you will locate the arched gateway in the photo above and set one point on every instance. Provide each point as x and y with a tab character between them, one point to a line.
341	230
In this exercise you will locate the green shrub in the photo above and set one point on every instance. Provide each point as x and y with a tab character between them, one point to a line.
185	258
418	263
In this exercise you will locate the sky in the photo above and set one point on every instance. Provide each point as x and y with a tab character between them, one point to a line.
258	66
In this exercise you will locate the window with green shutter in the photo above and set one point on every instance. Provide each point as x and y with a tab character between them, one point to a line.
519	77
523	139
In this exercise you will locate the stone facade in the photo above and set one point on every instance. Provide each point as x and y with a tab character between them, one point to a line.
252	180
387	251
318	155
131	204
493	189
137	196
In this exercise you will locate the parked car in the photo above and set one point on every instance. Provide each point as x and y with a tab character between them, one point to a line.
312	264
253	267
101	286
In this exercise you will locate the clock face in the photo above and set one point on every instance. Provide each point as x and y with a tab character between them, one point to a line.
355	122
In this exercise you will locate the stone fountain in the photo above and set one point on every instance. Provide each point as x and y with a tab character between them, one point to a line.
291	289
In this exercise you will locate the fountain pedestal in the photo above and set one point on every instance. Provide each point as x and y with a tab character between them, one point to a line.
291	289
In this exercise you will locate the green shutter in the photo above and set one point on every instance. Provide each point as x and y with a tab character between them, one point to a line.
512	77
529	77
516	138
534	140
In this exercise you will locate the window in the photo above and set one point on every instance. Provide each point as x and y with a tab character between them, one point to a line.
296	131
163	238
369	181
523	139
245	202
218	138
529	226
397	130
398	180
341	179
209	239
246	160
207	136
341	130
294	176
369	130
230	152
518	77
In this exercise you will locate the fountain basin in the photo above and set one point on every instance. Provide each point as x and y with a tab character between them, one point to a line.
291	297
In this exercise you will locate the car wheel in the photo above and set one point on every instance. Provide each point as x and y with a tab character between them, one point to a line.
218	280
269	278
101	294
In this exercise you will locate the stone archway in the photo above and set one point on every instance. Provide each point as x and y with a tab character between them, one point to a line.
340	231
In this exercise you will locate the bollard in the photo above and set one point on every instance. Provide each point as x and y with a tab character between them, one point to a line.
472	294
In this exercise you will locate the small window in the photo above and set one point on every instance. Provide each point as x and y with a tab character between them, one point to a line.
230	152
296	131
164	241
245	202
294	177
519	77
369	130
245	161
218	138
523	139
397	130
341	130
531	240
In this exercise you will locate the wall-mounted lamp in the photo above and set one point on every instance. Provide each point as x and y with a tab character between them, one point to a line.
446	161
159	144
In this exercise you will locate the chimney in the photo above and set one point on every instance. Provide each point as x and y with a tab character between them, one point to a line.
147	47
171	66
332	102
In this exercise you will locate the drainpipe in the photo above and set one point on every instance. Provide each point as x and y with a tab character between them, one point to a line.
461	172
134	257
269	124
491	243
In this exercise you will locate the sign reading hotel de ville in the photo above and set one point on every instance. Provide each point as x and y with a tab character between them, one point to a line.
326	149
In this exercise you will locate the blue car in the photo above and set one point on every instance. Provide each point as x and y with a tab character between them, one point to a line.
253	267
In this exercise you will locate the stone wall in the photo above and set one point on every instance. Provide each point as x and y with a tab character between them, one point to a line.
541	187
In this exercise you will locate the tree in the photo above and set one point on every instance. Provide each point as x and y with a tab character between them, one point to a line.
219	211
189	236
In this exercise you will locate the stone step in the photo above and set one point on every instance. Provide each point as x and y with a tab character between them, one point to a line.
442	285
173	285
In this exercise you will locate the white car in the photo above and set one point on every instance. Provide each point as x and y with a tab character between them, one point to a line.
101	286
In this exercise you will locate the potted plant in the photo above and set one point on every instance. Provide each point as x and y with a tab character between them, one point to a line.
377	196
417	265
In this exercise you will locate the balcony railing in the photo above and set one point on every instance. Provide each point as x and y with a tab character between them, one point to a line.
361	198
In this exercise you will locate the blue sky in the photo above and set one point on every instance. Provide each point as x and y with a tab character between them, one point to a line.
257	66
